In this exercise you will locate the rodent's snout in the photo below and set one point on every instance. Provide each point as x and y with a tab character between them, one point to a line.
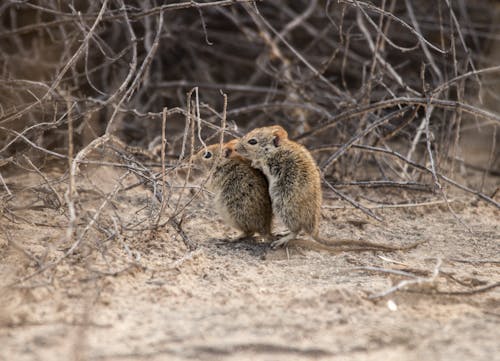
238	147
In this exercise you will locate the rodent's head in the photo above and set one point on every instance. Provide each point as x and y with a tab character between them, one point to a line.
206	157
260	142
229	149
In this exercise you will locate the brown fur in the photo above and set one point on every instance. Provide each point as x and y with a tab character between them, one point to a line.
294	185
294	179
241	196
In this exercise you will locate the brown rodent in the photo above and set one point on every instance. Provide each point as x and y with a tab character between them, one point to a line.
294	183
241	191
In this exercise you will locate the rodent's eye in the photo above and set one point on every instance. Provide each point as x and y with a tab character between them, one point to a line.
252	141
207	155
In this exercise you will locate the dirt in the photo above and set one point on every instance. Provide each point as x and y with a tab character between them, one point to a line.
145	296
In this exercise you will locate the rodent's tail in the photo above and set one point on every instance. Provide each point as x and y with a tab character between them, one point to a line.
357	245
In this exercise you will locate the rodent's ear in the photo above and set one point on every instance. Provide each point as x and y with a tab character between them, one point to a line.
227	152
276	140
278	135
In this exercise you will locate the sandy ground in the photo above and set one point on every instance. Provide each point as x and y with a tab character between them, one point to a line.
145	296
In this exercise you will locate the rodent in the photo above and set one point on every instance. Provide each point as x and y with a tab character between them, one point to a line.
294	184
241	191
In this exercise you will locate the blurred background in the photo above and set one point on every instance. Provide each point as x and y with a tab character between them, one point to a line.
419	78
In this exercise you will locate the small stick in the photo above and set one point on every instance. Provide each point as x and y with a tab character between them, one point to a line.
46	180
17	246
352	201
385	270
406	283
403	205
163	171
423	168
360	135
70	233
5	186
462	293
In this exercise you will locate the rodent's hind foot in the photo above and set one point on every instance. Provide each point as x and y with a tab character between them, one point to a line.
267	238
283	240
279	235
243	237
